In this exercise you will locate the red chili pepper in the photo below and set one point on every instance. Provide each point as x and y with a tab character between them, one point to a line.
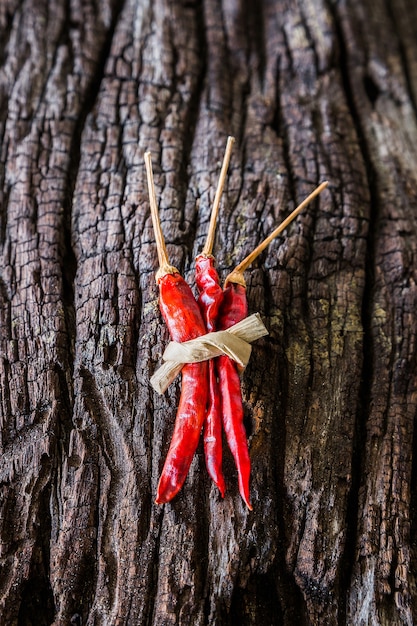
234	309
210	298
183	318
211	295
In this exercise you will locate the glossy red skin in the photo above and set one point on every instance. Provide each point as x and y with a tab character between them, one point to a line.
234	309
184	321
188	423
210	299
179	308
210	292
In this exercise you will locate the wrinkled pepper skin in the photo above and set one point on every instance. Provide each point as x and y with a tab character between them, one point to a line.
234	309
184	321
210	292
209	300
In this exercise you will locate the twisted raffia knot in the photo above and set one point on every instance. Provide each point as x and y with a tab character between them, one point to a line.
233	342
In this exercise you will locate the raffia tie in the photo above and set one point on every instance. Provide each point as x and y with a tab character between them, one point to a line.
233	342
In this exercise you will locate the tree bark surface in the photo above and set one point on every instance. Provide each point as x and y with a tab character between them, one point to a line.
312	91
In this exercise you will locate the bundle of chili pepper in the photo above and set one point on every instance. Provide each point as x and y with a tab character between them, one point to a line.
184	321
201	383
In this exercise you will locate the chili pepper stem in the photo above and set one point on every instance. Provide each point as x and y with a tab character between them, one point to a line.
208	248
164	266
236	276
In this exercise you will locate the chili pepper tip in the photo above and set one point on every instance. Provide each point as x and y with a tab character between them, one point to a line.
245	496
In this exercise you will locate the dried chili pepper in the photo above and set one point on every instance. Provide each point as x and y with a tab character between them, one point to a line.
233	309
211	295
184	321
210	298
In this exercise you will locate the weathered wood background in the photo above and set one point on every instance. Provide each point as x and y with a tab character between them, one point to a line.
312	90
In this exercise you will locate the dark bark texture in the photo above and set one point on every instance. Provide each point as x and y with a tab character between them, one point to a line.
311	90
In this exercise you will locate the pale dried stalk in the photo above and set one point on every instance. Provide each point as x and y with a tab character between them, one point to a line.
236	276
